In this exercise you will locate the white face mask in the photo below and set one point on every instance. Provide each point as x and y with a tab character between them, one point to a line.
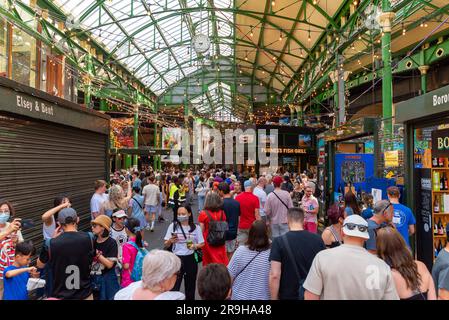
183	218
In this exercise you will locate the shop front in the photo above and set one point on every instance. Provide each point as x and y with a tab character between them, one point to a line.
347	159
295	149
49	147
426	125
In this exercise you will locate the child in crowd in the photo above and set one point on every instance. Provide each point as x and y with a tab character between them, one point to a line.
129	250
16	275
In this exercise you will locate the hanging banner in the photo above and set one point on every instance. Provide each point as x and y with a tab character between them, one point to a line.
171	138
391	159
122	133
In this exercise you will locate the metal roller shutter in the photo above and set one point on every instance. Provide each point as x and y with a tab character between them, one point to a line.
40	160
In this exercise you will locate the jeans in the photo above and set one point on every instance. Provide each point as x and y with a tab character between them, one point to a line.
278	230
105	286
188	271
201	200
47	275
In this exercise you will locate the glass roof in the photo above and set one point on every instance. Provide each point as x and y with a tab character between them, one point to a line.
153	38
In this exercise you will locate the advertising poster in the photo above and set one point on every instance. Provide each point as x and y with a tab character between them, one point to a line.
122	133
353	168
171	138
305	140
391	159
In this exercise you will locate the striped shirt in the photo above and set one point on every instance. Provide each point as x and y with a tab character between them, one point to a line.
7	255
252	283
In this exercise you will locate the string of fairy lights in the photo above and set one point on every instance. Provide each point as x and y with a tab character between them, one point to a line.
275	111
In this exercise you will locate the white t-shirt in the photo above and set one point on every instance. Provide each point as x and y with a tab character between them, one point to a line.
260	193
121	238
128	292
48	231
96	201
151	191
180	247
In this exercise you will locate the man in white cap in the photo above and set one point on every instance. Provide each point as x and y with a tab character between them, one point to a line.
350	272
118	231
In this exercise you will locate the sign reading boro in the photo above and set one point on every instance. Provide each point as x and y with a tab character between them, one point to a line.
440	143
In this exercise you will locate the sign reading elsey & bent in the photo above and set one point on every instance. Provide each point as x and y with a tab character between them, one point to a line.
37	106
20	100
440	143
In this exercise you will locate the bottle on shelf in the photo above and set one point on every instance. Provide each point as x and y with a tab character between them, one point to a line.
436	205
445	182
442	204
436	181
434	162
435	227
442	182
440	162
440	227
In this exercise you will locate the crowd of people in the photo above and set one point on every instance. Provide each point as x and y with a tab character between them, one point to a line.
256	238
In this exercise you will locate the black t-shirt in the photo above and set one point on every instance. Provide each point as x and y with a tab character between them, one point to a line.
231	208
109	250
70	258
287	186
305	246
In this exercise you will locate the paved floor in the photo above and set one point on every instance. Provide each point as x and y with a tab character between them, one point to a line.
156	239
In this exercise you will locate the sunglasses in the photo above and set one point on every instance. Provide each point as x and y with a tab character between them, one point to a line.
121	218
352	226
389	205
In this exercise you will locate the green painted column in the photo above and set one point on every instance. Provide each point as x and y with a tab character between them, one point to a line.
337	114
128	161
386	19
300	115
156	159
423	70
103	105
292	114
88	82
136	135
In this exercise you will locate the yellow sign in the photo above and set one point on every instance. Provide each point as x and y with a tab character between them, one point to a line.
391	159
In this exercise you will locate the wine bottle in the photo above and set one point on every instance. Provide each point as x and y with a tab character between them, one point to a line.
436	181
442	182
446	182
436	205
434	162
440	162
440	227
442	204
435	227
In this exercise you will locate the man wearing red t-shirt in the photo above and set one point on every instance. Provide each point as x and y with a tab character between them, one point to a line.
249	212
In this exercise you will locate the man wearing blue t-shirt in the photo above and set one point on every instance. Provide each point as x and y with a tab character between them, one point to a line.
403	218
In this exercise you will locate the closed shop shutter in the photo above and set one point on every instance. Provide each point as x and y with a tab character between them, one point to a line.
41	160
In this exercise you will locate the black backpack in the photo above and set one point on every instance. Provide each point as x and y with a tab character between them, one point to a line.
217	231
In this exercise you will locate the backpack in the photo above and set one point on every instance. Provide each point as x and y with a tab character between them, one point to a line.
136	273
217	230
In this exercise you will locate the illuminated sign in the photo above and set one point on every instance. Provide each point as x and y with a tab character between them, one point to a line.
285	150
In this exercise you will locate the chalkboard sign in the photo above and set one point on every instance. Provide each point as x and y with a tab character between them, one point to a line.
424	224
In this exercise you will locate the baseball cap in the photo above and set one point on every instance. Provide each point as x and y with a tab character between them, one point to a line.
67	215
119	214
248	184
277	181
352	226
103	221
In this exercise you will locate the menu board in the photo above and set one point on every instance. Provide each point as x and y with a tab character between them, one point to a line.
423	205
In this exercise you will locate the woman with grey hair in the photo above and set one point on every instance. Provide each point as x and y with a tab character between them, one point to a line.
118	200
159	273
213	211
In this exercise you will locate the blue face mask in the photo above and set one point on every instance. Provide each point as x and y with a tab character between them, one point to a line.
4	217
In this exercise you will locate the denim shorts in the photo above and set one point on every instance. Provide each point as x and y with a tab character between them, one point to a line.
151	209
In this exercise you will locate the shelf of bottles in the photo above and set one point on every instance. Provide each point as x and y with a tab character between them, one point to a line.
440	196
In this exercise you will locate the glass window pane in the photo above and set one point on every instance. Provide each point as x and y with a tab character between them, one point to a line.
23	58
3	48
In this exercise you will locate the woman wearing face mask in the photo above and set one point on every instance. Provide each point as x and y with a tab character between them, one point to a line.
10	235
185	237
